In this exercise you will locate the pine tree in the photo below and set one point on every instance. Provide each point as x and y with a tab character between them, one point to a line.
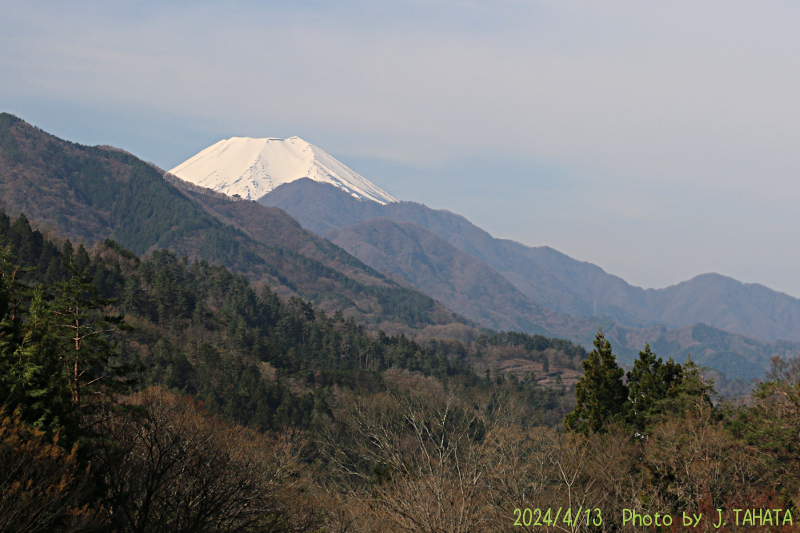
9	328
82	328
650	382
29	369
601	395
37	379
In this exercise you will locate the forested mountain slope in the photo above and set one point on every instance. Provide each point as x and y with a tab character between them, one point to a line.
250	355
90	194
495	281
555	280
273	227
111	365
455	278
226	408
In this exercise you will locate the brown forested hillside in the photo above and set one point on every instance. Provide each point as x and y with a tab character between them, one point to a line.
345	431
89	194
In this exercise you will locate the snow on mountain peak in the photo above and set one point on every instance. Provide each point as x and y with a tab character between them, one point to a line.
253	167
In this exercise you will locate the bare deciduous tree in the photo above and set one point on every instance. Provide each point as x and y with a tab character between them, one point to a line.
42	487
171	467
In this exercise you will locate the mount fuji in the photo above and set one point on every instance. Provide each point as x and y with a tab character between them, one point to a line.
250	168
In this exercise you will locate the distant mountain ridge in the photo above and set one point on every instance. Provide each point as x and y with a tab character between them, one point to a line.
446	273
397	239
555	280
250	168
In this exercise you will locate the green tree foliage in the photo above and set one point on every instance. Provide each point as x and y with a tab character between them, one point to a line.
650	383
204	331
80	329
54	346
772	424
537	343
653	390
601	395
29	366
35	374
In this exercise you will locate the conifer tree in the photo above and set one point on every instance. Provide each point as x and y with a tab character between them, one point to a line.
8	327
601	395
650	383
30	375
36	377
81	328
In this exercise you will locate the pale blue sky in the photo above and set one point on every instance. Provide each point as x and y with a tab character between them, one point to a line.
658	140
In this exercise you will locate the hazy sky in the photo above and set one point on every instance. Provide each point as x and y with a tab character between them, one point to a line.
659	140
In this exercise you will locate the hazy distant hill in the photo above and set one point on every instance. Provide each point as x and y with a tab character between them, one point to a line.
445	255
477	291
735	355
90	194
453	277
555	280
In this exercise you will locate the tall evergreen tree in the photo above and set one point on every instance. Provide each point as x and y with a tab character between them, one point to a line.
601	395
30	375
37	378
650	382
81	328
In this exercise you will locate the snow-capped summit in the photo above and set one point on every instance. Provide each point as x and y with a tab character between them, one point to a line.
253	167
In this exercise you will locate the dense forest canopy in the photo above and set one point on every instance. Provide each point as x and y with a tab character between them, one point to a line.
168	394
